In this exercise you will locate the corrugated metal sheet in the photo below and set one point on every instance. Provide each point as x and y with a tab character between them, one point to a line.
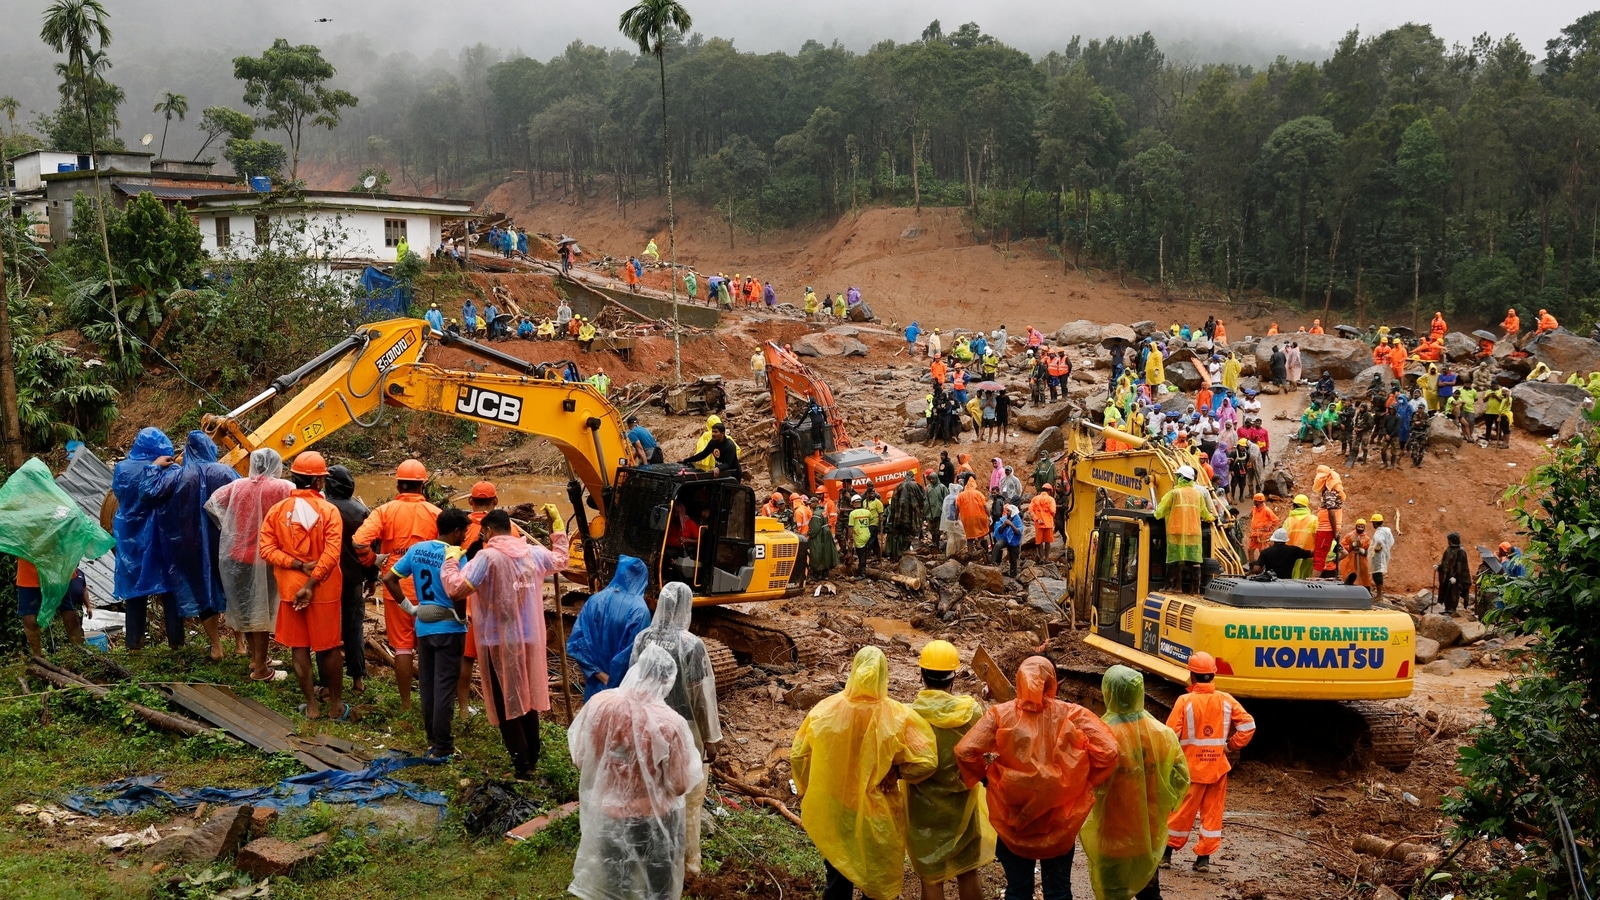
87	480
168	192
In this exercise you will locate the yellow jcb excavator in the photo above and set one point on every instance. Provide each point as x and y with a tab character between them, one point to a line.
685	524
1294	640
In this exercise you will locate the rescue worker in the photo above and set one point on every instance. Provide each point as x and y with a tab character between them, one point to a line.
356	580
435	318
1455	576
300	538
860	524
601	642
948	835
546	330
1044	471
143	570
1126	834
1547	323
1397	358
706	465
1329	488
1209	723
846	758
440	625
238	507
1380	552
1280	559
1436	328
935	345
904	518
1301	526
1185	509
586	335
758	367
601	382
392	529
1263	521
720	451
973	508
1355	566
1042	510
1042	760
1007	537
191	537
1155	372
1512	324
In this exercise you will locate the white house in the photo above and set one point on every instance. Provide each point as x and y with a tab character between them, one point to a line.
339	224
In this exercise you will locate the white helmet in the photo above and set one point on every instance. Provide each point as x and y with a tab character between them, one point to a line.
1186	472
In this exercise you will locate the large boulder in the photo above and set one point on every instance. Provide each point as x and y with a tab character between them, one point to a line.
1049	440
826	344
1250	383
949	570
1565	352
1443	434
1144	328
1363	379
1440	628
1460	347
1472	633
988	579
1427	650
917	411
1342	357
1543	408
1184	375
1081	331
1037	418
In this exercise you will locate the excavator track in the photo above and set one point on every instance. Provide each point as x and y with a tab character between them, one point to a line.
759	639
1390	739
724	666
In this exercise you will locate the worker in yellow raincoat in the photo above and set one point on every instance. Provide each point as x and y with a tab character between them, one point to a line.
1155	370
1127	829
1184	509
1302	528
1230	372
848	758
947	825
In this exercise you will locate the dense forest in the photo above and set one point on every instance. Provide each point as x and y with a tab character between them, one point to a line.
1398	173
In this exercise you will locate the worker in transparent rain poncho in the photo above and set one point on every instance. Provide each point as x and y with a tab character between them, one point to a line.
693	696
247	582
636	760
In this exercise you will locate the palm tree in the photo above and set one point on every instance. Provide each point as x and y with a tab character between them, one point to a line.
78	28
648	25
170	105
10	106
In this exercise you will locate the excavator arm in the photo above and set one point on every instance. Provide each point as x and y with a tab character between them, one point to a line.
786	374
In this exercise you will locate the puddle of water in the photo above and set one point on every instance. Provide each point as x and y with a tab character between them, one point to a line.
512	489
891	627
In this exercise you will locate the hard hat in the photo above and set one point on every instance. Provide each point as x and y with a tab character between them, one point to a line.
855	498
484	490
1301	500
1261	498
1050	487
776	496
940	656
411	470
309	463
1376	518
1505	546
1281	536
1202	663
433	306
1360	522
1186	472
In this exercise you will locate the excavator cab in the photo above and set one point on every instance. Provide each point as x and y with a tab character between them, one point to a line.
1131	561
687	526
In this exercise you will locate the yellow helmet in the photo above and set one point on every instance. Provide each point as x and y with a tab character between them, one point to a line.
940	656
1301	500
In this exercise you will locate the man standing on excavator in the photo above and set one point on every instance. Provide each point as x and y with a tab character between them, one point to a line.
1185	509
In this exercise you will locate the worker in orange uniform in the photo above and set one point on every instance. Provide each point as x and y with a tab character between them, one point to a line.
1043	760
1209	723
1316	326
938	370
1547	322
1043	510
1436	328
301	539
1272	329
1263	521
973	508
1431	349
774	505
1512	324
1221	333
381	540
1397	358
802	514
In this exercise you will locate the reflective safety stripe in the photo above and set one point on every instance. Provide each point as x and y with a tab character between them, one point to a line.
1188	721
1227	718
1248	726
1178	834
1210	834
1203	742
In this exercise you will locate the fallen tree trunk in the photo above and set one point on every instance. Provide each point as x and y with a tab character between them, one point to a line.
761	797
66	679
914	584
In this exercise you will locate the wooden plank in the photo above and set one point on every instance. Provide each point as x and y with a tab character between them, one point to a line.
983	666
215	708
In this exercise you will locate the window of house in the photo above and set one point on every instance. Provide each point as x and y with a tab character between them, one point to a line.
223	224
394	231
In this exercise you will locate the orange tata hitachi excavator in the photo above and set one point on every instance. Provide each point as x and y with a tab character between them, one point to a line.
812	441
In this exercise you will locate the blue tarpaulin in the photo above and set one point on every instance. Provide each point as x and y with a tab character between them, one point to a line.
365	787
383	295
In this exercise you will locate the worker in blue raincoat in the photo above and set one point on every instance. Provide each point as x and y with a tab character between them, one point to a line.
142	567
191	536
602	638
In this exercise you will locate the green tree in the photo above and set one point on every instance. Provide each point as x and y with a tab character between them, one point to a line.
289	85
10	106
252	157
225	123
732	177
170	105
1297	165
156	254
649	25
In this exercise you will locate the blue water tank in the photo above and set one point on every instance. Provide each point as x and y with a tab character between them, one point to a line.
261	184
66	167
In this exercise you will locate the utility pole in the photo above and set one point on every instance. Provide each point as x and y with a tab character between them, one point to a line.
11	426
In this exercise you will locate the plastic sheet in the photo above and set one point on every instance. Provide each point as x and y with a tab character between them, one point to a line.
41	524
364	787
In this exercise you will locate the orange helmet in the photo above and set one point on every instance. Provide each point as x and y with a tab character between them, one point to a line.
309	463
411	470
1202	663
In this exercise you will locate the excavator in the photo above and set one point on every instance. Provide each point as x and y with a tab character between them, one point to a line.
687	525
812	441
1304	641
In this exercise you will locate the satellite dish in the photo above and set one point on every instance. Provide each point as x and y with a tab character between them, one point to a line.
147	139
369	181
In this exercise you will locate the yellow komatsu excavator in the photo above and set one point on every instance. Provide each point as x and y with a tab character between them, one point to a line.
686	525
1294	640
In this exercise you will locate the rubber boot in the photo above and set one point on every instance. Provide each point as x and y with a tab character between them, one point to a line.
1202	863
1166	858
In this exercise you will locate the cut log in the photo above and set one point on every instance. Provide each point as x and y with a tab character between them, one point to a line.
65	679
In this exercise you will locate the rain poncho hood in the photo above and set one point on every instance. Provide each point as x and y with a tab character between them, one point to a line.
947	824
508	617
1127	830
841	755
636	762
141	557
1049	756
191	537
694	693
603	637
238	509
40	523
